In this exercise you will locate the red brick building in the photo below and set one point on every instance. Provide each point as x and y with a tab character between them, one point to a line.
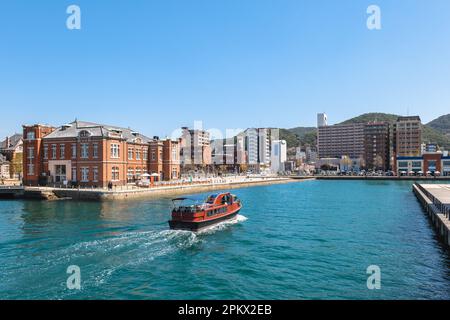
85	153
165	159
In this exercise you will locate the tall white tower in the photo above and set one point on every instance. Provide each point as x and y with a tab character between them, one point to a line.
322	120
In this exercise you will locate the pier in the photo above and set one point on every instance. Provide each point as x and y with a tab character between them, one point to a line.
435	199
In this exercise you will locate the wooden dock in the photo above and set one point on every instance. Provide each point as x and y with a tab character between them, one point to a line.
435	199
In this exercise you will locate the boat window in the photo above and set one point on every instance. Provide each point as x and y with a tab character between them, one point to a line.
210	199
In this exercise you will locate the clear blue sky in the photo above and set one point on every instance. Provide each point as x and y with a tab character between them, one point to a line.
157	65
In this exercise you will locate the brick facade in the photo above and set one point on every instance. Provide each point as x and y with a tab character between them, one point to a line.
86	154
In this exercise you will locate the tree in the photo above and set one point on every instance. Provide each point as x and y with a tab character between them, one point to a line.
378	163
16	165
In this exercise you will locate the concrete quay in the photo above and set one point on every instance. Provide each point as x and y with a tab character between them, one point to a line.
435	199
11	192
50	193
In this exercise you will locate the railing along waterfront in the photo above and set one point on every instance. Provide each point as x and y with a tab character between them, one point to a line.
155	185
443	208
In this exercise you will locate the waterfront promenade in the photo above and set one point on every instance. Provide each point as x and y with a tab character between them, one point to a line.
162	189
435	199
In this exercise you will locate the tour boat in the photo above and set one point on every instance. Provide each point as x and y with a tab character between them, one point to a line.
192	215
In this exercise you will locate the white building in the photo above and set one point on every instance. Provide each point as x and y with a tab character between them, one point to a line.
4	168
279	155
322	120
258	146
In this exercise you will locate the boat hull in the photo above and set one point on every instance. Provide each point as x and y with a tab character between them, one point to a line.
197	226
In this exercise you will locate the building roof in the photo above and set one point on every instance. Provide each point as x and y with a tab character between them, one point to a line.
14	140
408	118
73	130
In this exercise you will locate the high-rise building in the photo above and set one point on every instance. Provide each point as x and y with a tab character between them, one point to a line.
408	136
377	146
322	120
341	140
311	155
278	156
258	146
230	152
195	147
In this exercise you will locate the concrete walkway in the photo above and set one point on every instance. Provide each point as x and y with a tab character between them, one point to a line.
435	199
157	191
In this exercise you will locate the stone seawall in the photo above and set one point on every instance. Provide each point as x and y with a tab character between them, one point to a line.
437	213
105	195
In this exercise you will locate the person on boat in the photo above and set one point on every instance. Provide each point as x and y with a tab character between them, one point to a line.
211	199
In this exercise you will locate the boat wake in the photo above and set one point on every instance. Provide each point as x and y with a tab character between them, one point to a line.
100	259
222	225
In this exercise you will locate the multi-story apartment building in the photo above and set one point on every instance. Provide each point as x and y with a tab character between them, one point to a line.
195	148
165	158
278	156
407	139
341	140
310	154
229	152
377	146
84	153
408	136
258	146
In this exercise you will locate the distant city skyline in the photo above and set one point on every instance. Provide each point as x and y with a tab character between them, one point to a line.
159	66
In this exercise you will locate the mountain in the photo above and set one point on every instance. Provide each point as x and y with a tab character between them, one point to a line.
429	133
433	132
303	135
370	117
441	124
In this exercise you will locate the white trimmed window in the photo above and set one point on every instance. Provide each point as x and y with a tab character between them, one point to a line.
174	153
114	150
95	174
145	154
74	151
130	173
53	151
138	154
45	151
62	151
95	150
130	153
84	150
85	174
74	174
174	173
30	169
30	135
115	174
30	152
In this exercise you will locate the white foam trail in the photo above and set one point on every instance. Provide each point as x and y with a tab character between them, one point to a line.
222	225
132	249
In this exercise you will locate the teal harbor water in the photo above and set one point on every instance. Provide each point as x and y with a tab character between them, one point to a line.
309	240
